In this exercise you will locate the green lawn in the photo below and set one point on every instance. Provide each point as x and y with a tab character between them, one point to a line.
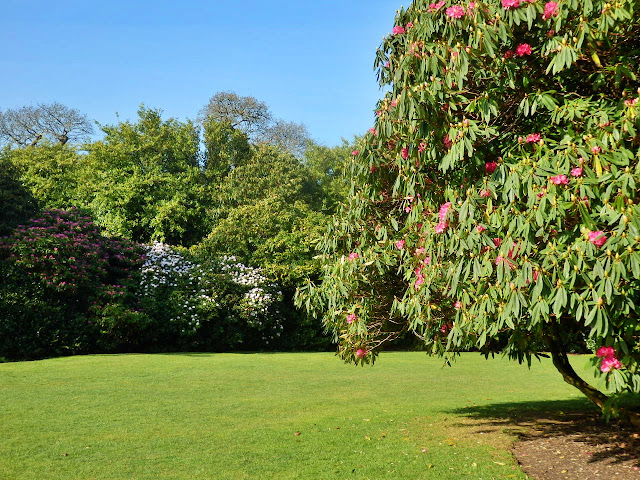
233	416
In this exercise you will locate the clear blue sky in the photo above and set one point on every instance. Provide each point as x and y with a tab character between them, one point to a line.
310	61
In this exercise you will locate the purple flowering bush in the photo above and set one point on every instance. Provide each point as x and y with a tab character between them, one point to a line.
65	288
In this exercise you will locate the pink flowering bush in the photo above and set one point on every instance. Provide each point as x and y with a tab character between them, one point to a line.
65	288
517	271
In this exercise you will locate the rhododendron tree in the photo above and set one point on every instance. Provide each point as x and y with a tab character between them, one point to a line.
511	130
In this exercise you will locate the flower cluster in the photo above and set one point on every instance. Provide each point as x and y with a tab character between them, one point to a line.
609	359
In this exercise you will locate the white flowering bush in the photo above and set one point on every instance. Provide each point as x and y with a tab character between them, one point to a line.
215	304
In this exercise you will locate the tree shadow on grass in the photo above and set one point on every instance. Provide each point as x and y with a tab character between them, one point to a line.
559	436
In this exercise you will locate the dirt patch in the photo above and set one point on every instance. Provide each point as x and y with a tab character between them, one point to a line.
577	446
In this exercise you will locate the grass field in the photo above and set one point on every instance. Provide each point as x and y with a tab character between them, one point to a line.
267	416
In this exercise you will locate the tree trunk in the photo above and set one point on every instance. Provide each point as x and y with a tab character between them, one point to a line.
561	362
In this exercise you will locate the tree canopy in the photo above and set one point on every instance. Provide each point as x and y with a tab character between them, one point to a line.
494	203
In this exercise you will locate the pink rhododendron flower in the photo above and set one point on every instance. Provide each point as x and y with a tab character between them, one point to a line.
400	244
355	152
550	10
559	179
419	280
398	30
576	172
536	273
444	209
485	193
441	227
542	193
456	11
352	317
419	251
533	138
480	228
387	64
497	242
447	141
507	4
631	101
596	150
361	353
374	131
409	25
603	352
597	238
523	49
353	255
394	103
405	153
490	167
434	7
421	147
427	260
609	363
457	305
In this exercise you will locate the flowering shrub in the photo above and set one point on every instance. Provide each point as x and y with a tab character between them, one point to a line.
213	304
62	283
505	164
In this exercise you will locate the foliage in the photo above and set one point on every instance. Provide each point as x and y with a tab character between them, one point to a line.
51	122
18	204
226	148
146	181
51	172
328	166
64	288
495	201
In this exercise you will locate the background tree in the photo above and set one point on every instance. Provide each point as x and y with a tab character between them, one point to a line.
146	182
17	204
52	122
51	172
495	201
254	118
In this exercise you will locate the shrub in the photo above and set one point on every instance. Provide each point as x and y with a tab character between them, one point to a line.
61	281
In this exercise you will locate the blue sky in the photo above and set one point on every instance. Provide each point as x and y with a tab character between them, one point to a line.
309	61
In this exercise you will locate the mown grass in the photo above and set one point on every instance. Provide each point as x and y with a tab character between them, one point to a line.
233	416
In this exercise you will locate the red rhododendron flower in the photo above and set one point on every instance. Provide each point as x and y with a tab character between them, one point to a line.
490	167
361	353
507	4
523	49
550	10
597	238
603	352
